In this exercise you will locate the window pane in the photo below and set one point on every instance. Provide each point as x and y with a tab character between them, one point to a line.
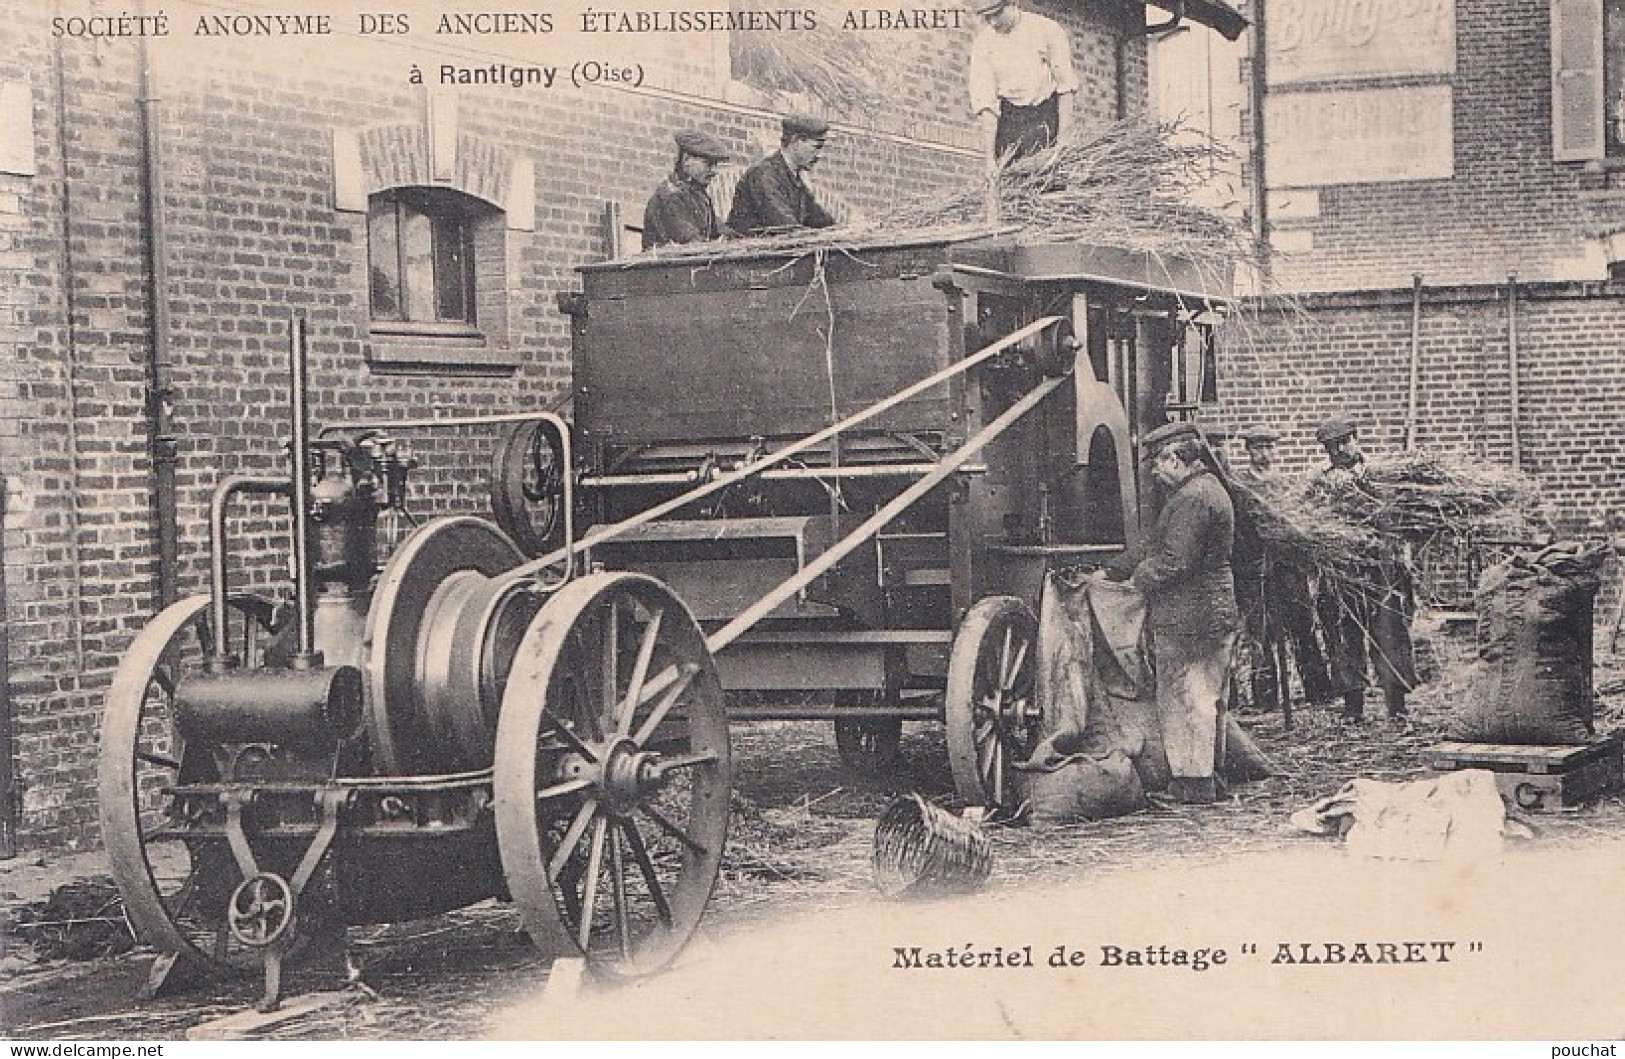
420	255
450	271
1614	73
417	239
383	260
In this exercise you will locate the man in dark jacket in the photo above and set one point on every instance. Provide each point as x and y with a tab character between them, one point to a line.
771	196
1190	606
681	210
1277	605
1367	615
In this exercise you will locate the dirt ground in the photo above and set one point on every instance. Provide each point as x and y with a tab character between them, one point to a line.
800	846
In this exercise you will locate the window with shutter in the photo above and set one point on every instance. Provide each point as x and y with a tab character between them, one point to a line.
1578	89
1613	23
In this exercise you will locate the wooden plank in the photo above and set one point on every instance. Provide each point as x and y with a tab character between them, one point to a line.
244	1025
1529	758
782	526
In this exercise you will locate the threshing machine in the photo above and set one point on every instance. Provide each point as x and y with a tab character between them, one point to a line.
864	459
828	481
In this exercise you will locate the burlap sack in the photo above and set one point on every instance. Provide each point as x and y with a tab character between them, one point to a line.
1532	680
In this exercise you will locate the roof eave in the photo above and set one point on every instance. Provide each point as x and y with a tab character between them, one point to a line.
1215	14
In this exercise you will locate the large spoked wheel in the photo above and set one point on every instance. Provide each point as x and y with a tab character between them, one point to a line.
612	774
990	702
177	890
867	745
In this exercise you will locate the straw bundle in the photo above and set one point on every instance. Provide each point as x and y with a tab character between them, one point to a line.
1341	526
839	69
1298	530
1420	494
1127	185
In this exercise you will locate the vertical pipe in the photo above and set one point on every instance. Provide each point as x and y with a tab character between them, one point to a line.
1512	370
161	442
74	530
303	583
1257	91
1120	61
1412	397
8	777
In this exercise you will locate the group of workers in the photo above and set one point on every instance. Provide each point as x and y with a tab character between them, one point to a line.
1021	83
1206	585
1364	620
772	195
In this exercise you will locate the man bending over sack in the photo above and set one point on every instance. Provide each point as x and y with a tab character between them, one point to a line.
1191	615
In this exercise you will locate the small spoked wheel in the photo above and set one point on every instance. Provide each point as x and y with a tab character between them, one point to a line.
527	486
177	888
260	912
990	702
612	775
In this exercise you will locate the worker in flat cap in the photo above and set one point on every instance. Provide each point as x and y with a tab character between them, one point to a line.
1340	436
772	196
1250	561
1259	442
681	210
1191	617
1365	615
1022	81
1277	604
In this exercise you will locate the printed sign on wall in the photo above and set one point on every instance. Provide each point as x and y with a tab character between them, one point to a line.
1359	136
1329	40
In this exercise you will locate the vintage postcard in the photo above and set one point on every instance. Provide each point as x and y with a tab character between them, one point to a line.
960	520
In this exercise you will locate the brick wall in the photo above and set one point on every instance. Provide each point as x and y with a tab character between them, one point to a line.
1508	209
252	235
77	558
1342	342
1351	354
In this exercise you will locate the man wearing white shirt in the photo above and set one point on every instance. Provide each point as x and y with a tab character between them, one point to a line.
1021	76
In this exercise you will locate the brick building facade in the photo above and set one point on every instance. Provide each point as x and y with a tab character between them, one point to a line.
1462	142
268	156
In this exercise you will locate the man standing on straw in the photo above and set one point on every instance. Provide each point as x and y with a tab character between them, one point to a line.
1367	614
1021	81
1190	606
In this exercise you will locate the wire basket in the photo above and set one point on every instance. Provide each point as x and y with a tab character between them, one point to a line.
922	849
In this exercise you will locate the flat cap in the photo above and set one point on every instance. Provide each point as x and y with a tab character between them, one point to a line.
1259	435
702	144
805	126
1167	434
1336	429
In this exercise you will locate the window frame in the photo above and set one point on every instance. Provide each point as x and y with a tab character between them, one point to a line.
408	203
476	343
